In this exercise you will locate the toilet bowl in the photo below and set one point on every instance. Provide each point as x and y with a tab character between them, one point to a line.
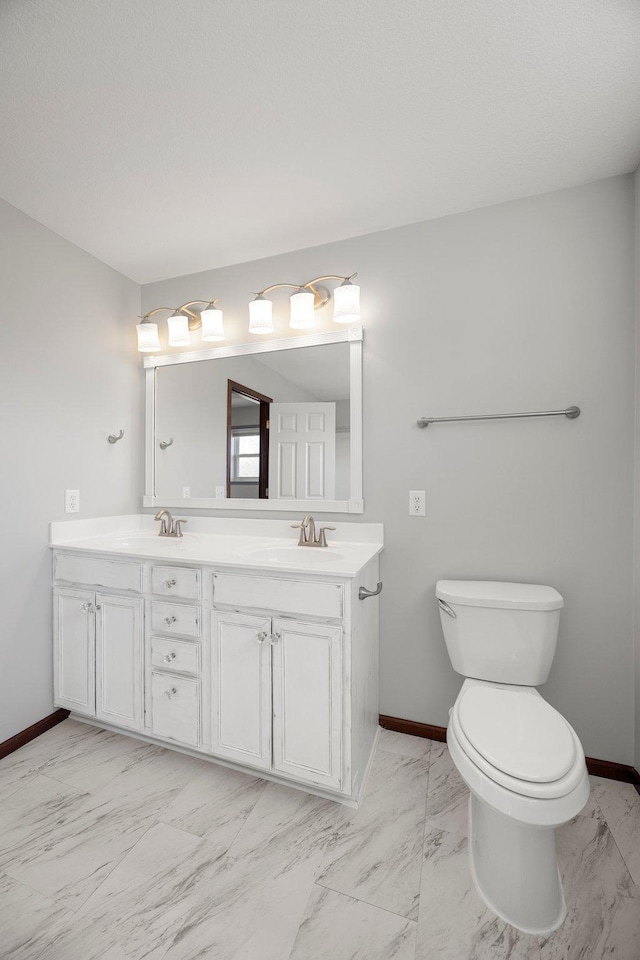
522	761
518	797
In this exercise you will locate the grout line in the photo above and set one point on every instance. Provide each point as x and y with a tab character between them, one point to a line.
375	906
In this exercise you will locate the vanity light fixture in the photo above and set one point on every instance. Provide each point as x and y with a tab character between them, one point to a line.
182	322
307	298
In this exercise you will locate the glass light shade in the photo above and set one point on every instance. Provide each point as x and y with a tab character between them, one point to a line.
346	303
260	316
212	326
148	340
302	309
179	335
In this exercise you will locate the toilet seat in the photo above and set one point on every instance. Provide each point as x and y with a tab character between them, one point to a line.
496	727
520	734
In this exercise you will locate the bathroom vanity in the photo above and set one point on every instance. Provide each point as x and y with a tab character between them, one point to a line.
231	643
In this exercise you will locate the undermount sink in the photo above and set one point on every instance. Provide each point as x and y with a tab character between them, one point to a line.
294	555
147	539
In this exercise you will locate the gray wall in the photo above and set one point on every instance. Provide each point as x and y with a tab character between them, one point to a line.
523	306
70	376
637	485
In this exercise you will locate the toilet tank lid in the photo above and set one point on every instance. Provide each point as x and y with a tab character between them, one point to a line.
491	593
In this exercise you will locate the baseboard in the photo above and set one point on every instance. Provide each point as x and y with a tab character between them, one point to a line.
597	768
19	740
413	728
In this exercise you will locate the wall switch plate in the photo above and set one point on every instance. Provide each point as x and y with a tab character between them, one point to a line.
186	493
72	501
220	493
416	503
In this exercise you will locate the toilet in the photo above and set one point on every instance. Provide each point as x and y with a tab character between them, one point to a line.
523	763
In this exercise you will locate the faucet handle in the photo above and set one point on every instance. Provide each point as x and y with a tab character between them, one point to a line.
177	526
322	537
302	527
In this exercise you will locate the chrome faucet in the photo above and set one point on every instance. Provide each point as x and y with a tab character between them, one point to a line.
308	536
168	526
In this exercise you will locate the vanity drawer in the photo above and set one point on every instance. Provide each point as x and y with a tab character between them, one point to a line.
307	597
175	705
117	574
182	619
176	582
182	656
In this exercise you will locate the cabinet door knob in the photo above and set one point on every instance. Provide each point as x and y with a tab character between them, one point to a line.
87	607
169	620
170	583
273	639
170	693
261	637
169	657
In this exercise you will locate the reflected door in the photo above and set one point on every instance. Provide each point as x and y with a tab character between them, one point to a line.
302	451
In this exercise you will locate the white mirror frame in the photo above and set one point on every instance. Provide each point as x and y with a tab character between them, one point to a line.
355	504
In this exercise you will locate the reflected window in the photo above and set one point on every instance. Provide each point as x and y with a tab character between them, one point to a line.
245	454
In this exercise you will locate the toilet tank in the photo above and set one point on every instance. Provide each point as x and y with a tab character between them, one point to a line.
504	632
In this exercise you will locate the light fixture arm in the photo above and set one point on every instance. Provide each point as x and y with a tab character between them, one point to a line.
301	286
194	318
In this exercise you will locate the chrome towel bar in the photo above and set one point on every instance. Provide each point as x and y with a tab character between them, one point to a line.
570	412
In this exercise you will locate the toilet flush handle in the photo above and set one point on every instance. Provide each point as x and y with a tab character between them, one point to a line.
447	609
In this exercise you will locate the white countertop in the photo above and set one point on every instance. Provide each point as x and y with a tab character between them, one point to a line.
229	542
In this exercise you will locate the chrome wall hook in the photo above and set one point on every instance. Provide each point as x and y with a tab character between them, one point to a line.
166	443
112	438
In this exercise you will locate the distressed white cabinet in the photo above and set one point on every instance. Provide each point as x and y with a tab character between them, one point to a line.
307	701
98	655
241	688
275	673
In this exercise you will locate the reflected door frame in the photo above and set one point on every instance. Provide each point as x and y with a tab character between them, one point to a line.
264	401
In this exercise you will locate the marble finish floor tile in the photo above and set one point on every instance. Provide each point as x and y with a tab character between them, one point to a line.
25	919
250	902
337	927
215	803
454	923
620	805
113	849
24	763
447	794
403	744
140	905
603	903
90	766
376	857
62	842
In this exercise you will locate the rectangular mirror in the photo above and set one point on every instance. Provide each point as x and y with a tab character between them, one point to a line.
275	425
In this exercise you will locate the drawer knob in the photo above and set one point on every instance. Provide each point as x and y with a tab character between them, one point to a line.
169	657
170	583
170	693
169	620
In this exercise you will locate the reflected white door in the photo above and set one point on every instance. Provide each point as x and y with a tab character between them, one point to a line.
302	451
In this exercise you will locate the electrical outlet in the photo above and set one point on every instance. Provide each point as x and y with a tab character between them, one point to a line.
220	493
72	501
186	493
416	503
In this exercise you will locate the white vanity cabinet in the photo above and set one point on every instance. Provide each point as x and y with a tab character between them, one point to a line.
98	654
277	695
270	671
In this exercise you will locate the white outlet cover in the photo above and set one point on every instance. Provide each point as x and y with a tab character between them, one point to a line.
416	503
72	501
220	493
186	493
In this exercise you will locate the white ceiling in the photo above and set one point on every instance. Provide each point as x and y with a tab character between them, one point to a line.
171	136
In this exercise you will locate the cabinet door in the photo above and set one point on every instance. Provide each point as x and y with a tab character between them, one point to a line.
307	702
241	688
74	650
119	660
